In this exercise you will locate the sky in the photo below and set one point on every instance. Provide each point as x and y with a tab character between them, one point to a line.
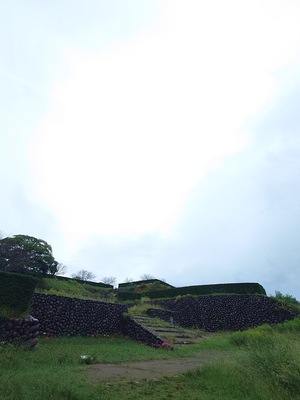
156	137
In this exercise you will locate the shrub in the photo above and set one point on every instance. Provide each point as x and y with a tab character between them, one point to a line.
285	298
287	301
16	291
252	338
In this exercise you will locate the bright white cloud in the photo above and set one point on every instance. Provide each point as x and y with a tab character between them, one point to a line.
132	129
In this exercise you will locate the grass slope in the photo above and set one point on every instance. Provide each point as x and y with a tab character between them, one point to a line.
72	288
262	364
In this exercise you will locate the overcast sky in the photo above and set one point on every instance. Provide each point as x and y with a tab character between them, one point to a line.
155	137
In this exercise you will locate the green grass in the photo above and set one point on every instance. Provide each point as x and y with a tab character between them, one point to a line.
157	323
74	289
261	365
141	309
7	313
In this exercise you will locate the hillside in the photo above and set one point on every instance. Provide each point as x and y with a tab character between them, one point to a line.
69	287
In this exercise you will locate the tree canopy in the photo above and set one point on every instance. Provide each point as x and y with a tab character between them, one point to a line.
26	254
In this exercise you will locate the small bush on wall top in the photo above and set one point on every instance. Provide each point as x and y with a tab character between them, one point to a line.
16	291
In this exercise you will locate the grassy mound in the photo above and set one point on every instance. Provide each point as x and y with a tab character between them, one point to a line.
73	288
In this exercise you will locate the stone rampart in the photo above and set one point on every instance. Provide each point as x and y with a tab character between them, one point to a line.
222	312
23	331
66	316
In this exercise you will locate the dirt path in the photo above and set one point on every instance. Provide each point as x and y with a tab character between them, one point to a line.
156	369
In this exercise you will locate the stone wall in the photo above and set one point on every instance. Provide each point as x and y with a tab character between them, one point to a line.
222	312
23	331
57	316
66	316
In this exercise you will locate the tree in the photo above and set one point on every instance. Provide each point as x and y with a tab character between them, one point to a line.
84	275
146	277
61	269
109	280
26	254
128	280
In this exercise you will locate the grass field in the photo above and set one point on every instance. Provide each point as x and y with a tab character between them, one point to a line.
72	288
261	364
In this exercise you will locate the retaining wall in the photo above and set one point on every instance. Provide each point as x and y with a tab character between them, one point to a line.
228	312
57	316
23	331
66	316
60	315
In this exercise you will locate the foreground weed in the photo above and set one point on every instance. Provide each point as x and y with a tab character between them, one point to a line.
278	362
55	370
275	356
291	326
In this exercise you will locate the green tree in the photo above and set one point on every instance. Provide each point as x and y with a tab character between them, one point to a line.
26	254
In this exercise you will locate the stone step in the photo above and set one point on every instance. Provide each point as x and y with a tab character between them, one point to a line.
173	334
144	318
141	317
165	329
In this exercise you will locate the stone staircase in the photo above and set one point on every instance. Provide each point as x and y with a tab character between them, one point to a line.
173	334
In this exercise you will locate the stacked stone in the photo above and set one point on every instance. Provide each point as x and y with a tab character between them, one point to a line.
137	332
223	312
23	331
65	316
